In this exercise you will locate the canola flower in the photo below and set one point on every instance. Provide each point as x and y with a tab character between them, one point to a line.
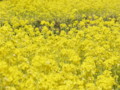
58	10
84	58
59	45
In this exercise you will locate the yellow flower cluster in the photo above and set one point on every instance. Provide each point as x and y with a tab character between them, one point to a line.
59	45
60	10
82	56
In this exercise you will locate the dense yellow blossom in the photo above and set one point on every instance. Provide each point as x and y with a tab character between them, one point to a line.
86	58
59	45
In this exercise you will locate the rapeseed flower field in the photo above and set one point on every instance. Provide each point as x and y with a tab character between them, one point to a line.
59	44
